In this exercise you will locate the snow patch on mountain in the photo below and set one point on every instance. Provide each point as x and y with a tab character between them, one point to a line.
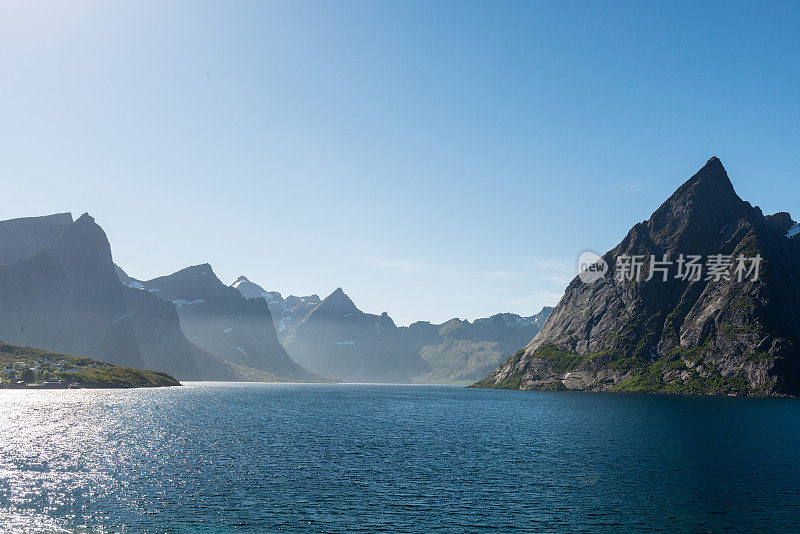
286	313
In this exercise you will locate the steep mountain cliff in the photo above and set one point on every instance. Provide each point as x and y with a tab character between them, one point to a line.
286	313
66	297
338	339
220	320
720	333
22	238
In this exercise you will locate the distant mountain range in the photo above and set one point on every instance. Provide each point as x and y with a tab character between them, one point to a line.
338	339
723	334
459	351
60	290
334	337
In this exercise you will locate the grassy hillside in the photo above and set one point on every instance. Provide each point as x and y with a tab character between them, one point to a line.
35	365
459	361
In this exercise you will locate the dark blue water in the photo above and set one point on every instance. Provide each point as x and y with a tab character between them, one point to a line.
349	458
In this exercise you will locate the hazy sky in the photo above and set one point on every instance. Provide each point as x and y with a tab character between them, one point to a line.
435	159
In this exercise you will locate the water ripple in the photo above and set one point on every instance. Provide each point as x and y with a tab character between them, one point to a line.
343	458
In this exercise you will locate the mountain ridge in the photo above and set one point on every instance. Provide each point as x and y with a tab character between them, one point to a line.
222	321
462	351
453	356
338	339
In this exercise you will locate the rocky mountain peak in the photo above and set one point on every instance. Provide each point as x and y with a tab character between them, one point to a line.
709	335
201	273
85	219
251	290
338	303
694	216
190	283
286	313
338	339
203	269
225	321
67	296
85	251
712	179
385	321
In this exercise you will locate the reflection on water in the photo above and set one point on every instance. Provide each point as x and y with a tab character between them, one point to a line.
311	457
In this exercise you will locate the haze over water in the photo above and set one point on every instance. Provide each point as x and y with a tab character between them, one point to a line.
211	457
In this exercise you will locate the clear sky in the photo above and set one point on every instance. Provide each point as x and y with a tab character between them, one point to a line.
435	159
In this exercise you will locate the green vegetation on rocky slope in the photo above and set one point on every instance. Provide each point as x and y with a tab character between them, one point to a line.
35	365
680	372
459	360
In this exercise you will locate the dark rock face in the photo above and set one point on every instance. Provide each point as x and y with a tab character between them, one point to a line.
221	321
286	313
679	335
340	340
459	350
22	238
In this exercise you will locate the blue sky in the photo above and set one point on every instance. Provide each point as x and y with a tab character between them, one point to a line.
435	159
